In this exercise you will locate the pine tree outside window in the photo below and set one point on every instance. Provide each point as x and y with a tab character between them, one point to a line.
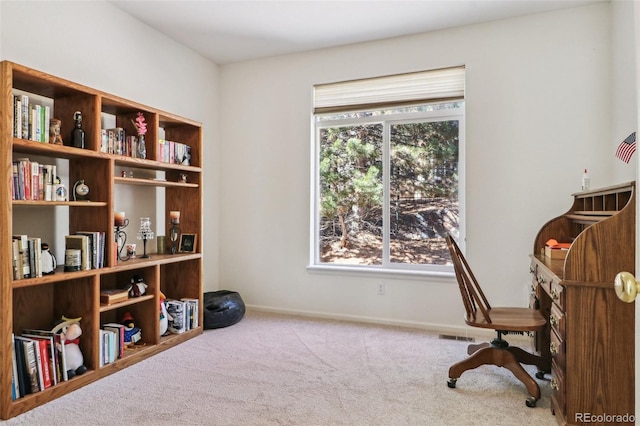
388	172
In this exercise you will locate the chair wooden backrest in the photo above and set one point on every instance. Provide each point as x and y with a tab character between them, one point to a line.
472	296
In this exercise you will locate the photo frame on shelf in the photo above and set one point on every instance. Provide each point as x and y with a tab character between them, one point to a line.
188	243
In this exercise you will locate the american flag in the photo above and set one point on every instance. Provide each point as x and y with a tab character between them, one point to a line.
626	148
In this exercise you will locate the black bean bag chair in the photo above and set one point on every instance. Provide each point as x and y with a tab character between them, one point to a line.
222	308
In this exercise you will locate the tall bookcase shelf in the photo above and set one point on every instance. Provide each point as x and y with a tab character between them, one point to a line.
36	303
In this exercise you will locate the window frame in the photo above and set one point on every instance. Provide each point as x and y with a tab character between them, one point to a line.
387	268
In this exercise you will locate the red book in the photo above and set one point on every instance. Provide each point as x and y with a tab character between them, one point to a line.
44	361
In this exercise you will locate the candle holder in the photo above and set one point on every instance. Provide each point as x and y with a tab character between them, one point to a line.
121	238
145	233
174	234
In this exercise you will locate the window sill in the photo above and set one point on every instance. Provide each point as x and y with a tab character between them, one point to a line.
370	272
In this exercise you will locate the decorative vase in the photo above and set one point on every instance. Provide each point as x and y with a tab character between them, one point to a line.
142	149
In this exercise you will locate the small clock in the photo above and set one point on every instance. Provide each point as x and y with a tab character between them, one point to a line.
80	191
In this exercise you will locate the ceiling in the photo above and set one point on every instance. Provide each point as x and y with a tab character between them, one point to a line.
228	31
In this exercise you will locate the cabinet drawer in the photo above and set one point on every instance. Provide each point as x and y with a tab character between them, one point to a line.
558	386
557	293
544	280
557	349
557	320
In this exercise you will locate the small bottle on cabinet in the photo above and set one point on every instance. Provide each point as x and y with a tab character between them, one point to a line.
586	182
77	135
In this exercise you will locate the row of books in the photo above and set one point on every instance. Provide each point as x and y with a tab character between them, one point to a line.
173	152
116	141
27	259
39	362
112	344
33	181
30	121
182	314
92	249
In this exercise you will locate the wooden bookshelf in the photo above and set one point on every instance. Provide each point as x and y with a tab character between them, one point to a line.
36	303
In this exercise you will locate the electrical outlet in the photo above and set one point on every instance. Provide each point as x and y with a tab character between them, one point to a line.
381	289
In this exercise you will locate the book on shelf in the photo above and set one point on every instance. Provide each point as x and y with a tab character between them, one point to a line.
168	151
31	363
80	242
23	256
194	311
15	385
119	330
96	246
43	362
113	295
24	383
48	351
17	117
53	352
109	346
25	117
35	256
177	316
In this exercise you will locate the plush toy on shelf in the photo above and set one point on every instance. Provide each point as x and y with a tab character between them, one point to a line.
70	332
132	334
164	315
136	286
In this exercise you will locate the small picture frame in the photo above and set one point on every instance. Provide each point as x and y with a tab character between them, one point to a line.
188	243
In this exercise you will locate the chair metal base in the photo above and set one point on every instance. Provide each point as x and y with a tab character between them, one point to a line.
499	353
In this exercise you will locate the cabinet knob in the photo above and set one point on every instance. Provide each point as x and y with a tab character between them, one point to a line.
626	287
554	384
553	348
553	320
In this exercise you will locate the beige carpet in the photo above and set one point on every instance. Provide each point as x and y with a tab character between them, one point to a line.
284	370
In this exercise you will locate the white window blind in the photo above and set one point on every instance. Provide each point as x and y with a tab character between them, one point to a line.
434	85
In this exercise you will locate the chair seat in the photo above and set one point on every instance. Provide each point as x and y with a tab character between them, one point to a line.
510	319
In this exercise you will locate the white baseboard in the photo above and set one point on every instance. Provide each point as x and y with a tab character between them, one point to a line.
459	331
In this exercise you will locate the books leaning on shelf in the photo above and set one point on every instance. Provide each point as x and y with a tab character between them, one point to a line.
182	314
91	245
119	330
33	181
30	120
173	152
116	141
26	257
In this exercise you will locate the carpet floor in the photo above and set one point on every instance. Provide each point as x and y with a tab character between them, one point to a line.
272	369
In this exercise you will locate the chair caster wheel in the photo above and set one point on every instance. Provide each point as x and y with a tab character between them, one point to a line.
531	402
540	375
451	383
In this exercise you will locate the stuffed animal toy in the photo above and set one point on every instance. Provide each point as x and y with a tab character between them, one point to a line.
70	332
164	315
132	334
136	287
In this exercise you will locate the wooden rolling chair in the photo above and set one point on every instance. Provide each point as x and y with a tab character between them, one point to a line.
504	321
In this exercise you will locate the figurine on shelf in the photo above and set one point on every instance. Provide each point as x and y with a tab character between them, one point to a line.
164	315
70	332
47	260
132	334
54	131
136	287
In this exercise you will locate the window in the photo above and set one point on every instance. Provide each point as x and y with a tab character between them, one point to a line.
387	174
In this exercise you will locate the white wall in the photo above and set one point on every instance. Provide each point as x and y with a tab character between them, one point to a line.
96	44
537	102
539	90
623	93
